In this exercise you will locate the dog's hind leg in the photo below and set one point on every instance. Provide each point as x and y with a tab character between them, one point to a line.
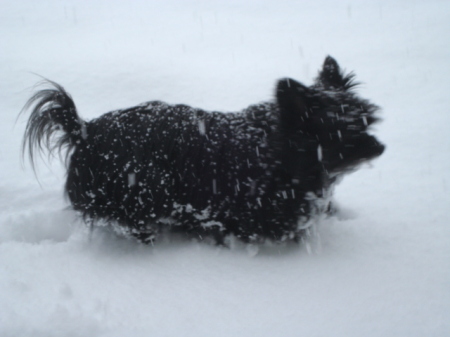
144	233
147	237
89	221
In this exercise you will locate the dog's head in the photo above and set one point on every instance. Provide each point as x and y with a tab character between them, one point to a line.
331	116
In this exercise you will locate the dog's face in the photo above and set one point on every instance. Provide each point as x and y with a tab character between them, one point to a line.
332	116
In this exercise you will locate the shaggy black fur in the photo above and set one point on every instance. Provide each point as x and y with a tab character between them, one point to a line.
262	173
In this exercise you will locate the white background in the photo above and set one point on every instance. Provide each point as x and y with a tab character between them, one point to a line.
382	269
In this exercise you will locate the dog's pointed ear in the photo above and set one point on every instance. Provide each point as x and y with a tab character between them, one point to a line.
292	99
331	76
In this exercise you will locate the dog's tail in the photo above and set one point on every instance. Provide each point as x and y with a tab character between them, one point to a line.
52	110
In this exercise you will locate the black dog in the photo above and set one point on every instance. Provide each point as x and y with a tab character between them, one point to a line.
262	173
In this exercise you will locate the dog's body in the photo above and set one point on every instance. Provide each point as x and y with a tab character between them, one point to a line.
262	173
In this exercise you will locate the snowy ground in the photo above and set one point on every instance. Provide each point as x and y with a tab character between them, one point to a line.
382	270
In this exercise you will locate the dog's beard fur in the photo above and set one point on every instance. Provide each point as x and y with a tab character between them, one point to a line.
263	173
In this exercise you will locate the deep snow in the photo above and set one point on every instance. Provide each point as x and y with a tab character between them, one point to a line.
381	269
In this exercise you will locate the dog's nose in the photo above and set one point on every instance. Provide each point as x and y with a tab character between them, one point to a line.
379	148
374	148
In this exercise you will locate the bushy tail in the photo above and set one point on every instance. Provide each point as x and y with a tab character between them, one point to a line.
52	110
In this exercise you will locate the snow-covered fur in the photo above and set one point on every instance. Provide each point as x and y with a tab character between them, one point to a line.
262	173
